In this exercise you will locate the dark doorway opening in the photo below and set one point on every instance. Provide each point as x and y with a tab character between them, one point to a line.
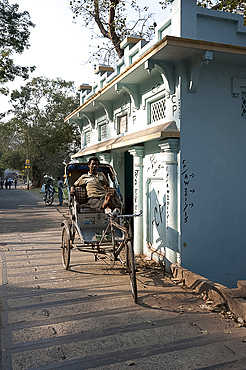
128	160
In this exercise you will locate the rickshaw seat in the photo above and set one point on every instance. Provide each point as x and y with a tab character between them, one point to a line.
81	194
74	171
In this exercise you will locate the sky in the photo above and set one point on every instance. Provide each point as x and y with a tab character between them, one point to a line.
59	48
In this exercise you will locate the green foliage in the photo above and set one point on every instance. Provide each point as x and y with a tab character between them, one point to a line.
14	29
13	158
11	153
38	131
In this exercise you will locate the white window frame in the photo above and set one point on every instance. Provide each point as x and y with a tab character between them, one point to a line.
119	122
86	130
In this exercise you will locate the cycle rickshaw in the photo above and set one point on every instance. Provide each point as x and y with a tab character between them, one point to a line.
107	236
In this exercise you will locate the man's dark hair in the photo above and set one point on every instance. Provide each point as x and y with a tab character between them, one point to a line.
93	159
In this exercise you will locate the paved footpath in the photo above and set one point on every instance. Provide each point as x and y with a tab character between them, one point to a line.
85	318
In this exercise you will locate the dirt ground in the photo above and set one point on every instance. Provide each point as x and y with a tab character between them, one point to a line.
85	317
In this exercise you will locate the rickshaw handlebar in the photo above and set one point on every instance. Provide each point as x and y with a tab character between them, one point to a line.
133	215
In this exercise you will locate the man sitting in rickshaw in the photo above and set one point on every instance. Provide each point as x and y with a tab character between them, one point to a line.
100	197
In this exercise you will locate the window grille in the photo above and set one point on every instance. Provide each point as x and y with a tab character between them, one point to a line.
102	132
87	137
157	110
244	105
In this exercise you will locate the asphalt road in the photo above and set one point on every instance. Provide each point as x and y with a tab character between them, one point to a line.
85	318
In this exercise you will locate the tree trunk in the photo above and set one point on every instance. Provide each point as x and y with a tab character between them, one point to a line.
37	177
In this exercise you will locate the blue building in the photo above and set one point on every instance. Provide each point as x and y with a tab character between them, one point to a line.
171	119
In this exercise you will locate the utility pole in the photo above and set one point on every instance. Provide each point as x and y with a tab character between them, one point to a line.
27	166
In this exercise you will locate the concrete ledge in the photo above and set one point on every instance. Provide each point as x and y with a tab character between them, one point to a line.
235	299
155	255
241	284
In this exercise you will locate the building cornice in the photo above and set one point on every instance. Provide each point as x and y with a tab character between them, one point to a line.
172	41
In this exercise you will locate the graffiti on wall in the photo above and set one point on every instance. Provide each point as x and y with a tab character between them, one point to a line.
155	88
154	167
136	186
158	213
187	177
175	105
167	195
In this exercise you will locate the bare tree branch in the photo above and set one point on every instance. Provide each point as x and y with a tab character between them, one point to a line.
110	16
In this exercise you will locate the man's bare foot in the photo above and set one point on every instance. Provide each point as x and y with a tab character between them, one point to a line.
109	201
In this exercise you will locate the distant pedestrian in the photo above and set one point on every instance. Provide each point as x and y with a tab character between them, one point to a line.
15	183
1	182
6	183
60	187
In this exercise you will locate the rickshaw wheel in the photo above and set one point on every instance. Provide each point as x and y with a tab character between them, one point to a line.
109	260
132	270
72	232
66	248
123	258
